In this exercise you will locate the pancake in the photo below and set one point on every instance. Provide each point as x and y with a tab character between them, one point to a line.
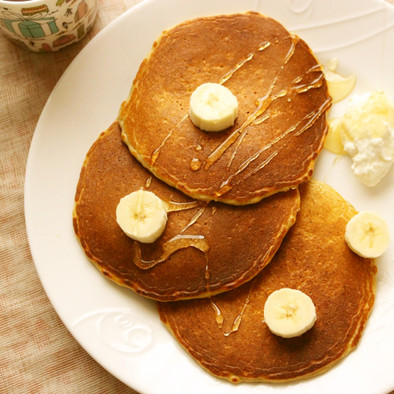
226	334
206	249
281	124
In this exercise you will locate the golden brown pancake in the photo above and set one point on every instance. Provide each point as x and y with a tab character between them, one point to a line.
204	250
227	335
282	97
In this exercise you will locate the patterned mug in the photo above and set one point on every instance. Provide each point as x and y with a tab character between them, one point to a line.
46	25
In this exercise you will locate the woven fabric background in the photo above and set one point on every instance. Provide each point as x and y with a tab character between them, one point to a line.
38	354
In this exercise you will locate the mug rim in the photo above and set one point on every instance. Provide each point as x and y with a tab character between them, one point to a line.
23	2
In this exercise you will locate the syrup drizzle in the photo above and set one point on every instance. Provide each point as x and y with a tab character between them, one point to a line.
313	116
262	105
258	120
155	154
316	83
256	117
218	314
238	319
179	241
248	58
173	206
310	119
195	164
148	182
194	218
290	53
260	114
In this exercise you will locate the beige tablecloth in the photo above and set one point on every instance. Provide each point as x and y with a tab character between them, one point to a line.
38	354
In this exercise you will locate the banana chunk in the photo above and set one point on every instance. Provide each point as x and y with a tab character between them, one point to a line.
339	86
289	312
142	216
367	234
213	107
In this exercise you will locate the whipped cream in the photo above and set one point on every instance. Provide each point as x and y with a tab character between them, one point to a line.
372	157
366	133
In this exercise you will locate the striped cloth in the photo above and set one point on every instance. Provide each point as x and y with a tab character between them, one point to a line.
38	354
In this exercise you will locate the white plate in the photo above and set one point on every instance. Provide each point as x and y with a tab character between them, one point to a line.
121	330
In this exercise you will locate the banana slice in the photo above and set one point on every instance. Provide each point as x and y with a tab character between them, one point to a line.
367	234
213	107
339	86
333	141
142	216
289	312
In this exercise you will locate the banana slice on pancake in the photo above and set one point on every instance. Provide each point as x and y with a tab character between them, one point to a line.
367	234
227	334
142	216
201	251
213	107
289	312
277	134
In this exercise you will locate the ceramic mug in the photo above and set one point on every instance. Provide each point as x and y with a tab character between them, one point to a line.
46	25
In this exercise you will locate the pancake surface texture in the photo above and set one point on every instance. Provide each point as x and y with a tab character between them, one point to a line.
226	334
281	124
206	249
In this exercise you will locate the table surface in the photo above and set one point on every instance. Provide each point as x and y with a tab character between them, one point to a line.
38	354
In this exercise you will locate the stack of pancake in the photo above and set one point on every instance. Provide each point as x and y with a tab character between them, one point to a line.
242	201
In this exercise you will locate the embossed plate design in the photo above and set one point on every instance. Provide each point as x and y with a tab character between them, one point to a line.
121	330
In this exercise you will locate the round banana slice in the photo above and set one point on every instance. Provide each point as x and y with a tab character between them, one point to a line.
367	234
142	216
289	312
213	107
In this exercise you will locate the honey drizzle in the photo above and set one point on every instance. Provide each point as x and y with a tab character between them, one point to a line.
240	140
155	154
262	164
207	274
179	241
237	321
253	119
148	182
257	117
173	206
194	218
218	314
262	119
290	53
262	104
258	120
316	83
315	68
311	118
230	73
195	164
226	185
